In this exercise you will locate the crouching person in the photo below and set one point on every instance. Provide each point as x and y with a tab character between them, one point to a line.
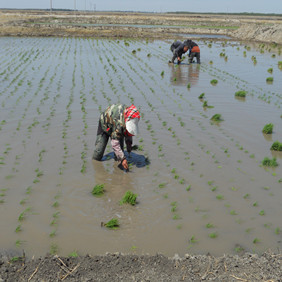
118	122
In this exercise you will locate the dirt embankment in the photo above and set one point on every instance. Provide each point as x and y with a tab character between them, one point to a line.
118	267
139	25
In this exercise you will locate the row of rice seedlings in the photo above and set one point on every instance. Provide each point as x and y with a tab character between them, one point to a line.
226	76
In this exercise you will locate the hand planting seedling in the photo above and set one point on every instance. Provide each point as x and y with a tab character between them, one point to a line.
129	198
98	190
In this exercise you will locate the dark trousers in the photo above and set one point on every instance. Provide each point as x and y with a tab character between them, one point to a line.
195	55
101	143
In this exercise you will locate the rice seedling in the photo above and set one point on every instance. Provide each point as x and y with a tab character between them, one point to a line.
276	146
220	197
162	185
176	216
217	118
209	225
262	212
239	249
256	240
73	254
182	181
173	206
189	85
54	249
111	224
233	212
241	94
270	70
280	65
269	79
246	196
98	190
213	235
52	234
255	204
277	230
193	240
201	96
162	73
55	204
269	162
18	228
129	198
214	82
188	188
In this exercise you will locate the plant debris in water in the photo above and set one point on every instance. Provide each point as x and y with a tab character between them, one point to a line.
129	198
98	190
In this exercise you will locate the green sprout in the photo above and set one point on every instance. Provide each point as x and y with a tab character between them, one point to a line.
269	79
112	224
269	162
240	93
129	198
268	128
276	146
214	82
216	117
213	235
201	96
98	190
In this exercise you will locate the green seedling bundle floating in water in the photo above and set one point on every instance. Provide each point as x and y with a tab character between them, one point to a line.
98	190
276	146
129	198
268	128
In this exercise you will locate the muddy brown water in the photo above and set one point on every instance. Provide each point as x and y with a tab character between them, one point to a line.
200	174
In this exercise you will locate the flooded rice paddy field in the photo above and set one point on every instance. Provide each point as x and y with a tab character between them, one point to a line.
202	190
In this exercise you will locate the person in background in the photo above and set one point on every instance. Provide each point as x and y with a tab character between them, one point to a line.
194	51
118	122
178	49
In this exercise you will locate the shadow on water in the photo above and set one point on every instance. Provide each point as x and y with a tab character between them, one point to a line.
133	158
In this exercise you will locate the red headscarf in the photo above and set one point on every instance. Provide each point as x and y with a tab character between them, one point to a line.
131	113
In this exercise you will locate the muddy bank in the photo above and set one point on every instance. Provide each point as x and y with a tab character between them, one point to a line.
119	267
139	25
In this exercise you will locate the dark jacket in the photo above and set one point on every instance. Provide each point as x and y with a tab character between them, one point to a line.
178	52
174	45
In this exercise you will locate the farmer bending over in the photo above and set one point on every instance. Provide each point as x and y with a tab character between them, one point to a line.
194	51
178	49
119	122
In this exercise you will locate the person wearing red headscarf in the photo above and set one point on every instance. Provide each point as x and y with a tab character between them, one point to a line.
118	122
